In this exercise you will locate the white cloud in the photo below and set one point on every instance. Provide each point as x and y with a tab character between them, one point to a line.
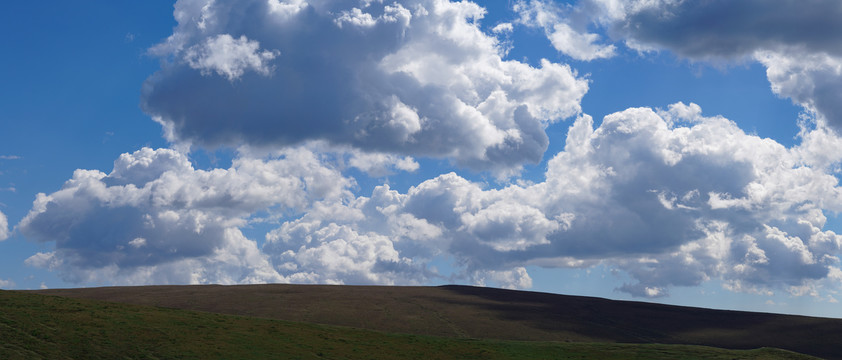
764	236
338	254
671	197
234	260
508	226
799	45
44	260
820	145
727	29
6	284
380	164
355	17
4	227
394	13
502	28
138	242
229	57
813	80
516	278
285	8
373	163
412	77
365	241
576	43
155	219
674	199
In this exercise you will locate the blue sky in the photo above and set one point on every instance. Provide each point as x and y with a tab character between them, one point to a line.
661	151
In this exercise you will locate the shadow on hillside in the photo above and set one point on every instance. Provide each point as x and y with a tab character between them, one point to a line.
478	312
638	322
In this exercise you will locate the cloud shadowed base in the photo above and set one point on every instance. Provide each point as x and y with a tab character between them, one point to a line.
670	197
417	78
305	89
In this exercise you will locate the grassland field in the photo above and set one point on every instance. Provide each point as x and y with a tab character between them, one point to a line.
204	322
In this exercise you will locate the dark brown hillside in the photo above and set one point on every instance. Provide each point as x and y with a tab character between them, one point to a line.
464	311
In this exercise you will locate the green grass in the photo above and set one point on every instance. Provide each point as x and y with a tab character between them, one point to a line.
34	326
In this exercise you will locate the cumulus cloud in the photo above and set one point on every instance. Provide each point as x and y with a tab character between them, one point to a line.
674	198
381	164
813	80
229	57
4	227
729	29
671	197
798	43
365	241
156	219
502	28
516	278
413	77
338	254
6	284
576	43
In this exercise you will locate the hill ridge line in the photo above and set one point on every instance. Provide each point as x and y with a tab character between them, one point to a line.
480	312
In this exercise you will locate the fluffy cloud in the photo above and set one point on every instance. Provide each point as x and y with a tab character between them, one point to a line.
233	259
229	57
811	80
671	197
576	43
364	241
156	219
378	164
516	278
728	29
6	284
674	198
798	44
4	227
414	77
338	254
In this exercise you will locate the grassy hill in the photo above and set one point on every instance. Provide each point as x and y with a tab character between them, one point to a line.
488	313
34	326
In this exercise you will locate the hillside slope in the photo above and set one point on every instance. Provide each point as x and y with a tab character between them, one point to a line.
34	326
474	312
